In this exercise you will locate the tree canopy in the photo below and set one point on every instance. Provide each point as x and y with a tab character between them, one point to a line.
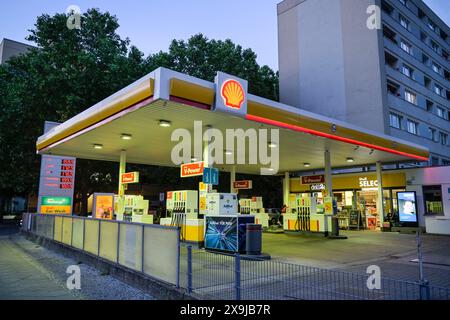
72	69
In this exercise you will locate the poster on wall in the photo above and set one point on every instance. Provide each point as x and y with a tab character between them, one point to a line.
407	206
103	205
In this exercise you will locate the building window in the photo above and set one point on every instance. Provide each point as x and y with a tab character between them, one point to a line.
388	33
443	137
429	105
431	25
425	59
426	82
406	46
445	54
410	97
408	71
404	22
432	134
411	126
435	46
436	68
393	88
423	37
445	162
434	161
386	8
441	113
403	2
390	60
395	120
438	89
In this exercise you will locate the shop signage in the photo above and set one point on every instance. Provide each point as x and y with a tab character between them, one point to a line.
320	178
243	184
231	94
56	180
365	182
56	205
317	187
130	177
211	176
192	169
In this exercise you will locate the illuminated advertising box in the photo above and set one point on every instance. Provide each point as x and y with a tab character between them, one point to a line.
103	205
227	233
407	207
56	205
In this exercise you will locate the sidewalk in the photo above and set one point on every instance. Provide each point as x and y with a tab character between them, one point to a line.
23	278
29	271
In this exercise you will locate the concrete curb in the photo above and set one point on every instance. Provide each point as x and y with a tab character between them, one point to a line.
156	288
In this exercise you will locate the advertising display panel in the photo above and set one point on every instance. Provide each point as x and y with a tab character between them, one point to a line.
227	233
407	207
103	206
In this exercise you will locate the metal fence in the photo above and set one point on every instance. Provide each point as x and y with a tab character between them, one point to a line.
155	251
132	245
234	277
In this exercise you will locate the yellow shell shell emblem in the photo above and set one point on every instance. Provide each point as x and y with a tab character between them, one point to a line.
232	94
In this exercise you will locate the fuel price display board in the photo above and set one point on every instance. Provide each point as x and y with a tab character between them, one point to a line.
57	181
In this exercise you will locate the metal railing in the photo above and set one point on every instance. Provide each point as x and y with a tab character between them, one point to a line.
132	245
235	277
217	276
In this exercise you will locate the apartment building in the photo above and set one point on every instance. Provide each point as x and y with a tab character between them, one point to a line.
11	48
393	79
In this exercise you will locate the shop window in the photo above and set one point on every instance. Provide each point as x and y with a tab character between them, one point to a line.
446	162
432	196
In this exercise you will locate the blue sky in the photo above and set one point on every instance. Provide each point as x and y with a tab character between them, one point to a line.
152	24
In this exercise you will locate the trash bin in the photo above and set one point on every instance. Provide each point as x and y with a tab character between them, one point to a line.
253	241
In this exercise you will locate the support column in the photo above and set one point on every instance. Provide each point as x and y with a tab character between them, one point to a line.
286	188
328	181
380	204
232	178
122	168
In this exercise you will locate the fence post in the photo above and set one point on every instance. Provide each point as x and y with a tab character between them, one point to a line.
237	276
142	248
189	268
178	259
118	240
98	241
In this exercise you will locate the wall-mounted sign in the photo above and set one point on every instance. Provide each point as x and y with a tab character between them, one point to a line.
56	205
407	207
231	94
243	184
365	182
192	169
211	176
328	205
315	179
129	177
317	187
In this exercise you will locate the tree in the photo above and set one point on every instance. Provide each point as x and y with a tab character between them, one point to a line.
202	58
72	69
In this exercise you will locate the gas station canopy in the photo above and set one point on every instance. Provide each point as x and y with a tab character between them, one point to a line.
179	99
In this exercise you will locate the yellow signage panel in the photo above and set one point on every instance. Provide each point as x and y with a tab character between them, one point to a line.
49	209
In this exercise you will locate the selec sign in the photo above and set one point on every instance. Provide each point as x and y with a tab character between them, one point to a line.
364	182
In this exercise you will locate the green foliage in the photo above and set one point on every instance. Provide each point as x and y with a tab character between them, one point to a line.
71	70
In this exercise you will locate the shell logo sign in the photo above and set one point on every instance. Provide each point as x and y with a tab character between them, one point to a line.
232	94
